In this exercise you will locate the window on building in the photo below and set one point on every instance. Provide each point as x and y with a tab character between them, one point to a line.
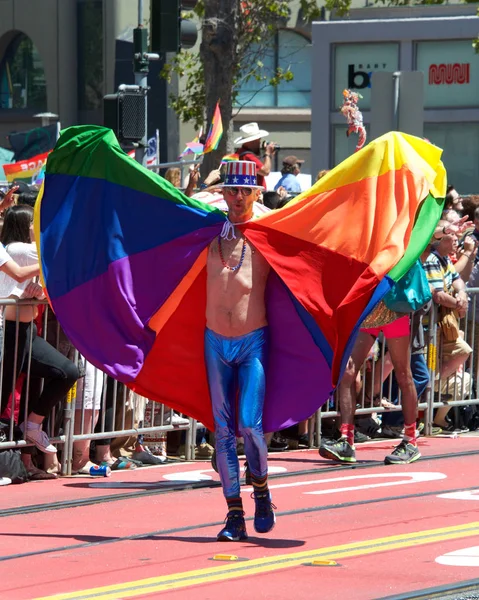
22	77
288	50
460	142
90	55
451	73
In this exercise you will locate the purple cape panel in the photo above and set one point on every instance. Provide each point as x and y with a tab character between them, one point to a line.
298	378
117	305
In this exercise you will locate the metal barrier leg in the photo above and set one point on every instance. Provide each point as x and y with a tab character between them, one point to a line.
68	428
311	430
432	365
189	447
428	411
318	428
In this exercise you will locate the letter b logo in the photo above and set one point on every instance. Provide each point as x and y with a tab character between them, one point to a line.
358	79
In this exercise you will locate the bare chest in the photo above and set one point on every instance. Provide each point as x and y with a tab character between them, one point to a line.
236	259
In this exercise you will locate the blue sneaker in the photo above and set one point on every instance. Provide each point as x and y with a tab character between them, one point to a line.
264	517
234	529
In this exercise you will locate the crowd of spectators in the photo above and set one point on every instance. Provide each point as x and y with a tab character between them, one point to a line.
451	264
450	261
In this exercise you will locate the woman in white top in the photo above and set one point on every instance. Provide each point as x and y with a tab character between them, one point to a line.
46	362
7	264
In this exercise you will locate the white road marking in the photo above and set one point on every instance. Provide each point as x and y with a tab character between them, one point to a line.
405	478
466	557
465	495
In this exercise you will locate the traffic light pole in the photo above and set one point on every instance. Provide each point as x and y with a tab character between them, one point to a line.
141	62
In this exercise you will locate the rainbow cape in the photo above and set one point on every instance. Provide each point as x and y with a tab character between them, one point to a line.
123	258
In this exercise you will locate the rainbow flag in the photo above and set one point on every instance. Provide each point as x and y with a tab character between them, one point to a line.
230	157
334	252
25	170
195	147
216	131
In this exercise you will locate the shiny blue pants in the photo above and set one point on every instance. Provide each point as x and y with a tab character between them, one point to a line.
236	370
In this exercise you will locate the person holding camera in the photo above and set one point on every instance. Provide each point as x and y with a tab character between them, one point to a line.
251	149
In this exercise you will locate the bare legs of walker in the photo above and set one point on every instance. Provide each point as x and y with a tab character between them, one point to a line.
343	450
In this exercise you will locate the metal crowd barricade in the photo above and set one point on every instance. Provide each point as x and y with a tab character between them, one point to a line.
68	424
181	164
372	383
60	424
460	388
457	390
123	402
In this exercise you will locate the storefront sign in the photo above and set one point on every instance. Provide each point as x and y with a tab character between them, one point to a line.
354	65
451	73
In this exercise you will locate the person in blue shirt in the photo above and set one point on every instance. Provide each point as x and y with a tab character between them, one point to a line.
291	168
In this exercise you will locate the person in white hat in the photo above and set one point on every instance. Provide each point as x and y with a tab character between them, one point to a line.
236	352
250	148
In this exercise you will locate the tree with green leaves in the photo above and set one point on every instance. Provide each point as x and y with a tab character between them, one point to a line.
236	37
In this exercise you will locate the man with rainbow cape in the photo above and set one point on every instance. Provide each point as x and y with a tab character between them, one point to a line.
132	266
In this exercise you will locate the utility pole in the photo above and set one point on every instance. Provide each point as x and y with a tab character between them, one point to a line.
141	62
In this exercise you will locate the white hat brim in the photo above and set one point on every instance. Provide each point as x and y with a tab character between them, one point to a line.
251	138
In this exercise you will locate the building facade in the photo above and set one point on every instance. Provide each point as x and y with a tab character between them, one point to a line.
63	56
438	42
284	111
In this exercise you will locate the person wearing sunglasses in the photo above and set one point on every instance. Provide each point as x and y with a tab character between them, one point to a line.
236	352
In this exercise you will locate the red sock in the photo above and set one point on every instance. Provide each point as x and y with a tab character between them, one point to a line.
347	431
410	434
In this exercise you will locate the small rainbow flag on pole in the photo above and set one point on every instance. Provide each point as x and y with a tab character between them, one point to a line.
193	147
230	157
215	132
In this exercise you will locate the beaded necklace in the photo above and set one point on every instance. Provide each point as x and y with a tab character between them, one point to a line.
224	263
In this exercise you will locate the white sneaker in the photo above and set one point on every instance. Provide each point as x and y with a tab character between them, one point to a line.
175	419
5	481
39	438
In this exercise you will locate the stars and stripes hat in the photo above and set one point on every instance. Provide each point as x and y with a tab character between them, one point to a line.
241	173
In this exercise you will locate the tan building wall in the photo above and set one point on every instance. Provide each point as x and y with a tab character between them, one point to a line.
52	27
